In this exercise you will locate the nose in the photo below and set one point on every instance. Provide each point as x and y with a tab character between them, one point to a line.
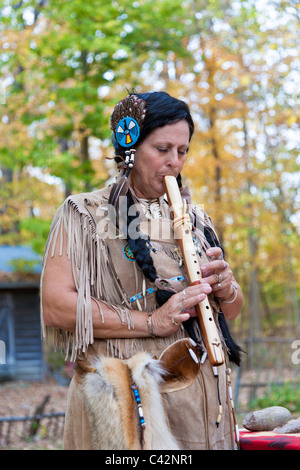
173	158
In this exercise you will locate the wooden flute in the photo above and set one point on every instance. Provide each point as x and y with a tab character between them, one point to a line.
182	230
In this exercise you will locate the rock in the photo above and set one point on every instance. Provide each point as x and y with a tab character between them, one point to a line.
291	427
267	419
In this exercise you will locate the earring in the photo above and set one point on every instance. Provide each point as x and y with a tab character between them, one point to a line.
129	160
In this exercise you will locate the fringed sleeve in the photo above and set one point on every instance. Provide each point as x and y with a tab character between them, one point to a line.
56	230
93	279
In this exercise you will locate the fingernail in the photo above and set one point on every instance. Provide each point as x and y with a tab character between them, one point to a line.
204	267
201	297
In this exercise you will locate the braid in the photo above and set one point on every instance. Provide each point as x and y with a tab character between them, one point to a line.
179	180
141	252
139	248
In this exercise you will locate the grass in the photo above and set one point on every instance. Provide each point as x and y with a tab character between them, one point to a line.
286	395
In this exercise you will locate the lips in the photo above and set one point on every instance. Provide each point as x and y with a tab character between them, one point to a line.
162	176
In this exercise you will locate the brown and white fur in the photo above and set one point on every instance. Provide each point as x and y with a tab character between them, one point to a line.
111	406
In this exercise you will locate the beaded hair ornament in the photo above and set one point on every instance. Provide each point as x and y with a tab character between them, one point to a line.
126	123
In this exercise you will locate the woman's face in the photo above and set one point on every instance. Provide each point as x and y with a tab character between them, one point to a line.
162	152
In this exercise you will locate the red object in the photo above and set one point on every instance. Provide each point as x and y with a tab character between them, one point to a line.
268	441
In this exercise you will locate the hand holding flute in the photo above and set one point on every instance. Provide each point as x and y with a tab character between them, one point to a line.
181	228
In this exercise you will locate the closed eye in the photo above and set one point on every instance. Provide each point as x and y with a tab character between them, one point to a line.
165	150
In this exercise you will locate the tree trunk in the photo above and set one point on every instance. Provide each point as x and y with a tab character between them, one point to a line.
254	317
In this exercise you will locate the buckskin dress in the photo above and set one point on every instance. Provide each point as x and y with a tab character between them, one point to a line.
105	270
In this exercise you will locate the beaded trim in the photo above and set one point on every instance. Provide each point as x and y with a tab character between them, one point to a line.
152	289
139	404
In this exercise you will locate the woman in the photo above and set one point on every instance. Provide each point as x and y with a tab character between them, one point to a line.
112	287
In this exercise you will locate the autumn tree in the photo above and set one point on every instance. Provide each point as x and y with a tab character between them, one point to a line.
61	61
240	84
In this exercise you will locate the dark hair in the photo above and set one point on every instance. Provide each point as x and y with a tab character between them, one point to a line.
161	110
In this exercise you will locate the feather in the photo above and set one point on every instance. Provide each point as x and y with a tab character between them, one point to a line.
234	350
118	189
131	106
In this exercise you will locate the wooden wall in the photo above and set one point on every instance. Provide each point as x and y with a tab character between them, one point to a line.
20	330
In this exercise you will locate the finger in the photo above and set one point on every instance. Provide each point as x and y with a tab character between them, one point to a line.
220	277
182	304
180	318
192	312
221	287
212	267
215	278
190	302
191	291
215	252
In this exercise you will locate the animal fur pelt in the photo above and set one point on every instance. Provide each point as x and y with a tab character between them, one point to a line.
181	361
111	406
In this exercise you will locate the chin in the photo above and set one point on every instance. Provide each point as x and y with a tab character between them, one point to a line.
159	189
156	190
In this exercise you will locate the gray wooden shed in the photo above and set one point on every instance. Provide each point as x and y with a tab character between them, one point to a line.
21	351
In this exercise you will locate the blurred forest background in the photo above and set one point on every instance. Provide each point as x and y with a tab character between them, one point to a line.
65	63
